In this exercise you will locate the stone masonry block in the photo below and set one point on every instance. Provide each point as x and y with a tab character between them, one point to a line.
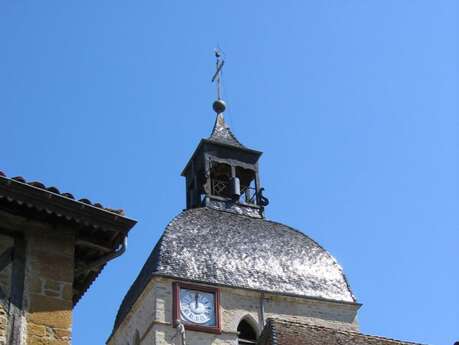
36	330
63	334
49	266
54	242
50	312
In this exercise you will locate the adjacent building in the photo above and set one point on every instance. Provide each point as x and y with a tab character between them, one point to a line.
52	248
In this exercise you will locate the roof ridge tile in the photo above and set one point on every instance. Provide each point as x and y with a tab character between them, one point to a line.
55	190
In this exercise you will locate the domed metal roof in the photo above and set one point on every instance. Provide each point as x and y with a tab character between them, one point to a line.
223	248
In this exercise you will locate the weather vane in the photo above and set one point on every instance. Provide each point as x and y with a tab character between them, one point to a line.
218	73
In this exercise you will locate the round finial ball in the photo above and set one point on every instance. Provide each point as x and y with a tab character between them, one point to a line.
219	106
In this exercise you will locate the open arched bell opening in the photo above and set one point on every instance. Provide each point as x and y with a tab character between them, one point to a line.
247	335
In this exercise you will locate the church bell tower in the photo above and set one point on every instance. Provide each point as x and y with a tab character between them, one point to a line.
220	269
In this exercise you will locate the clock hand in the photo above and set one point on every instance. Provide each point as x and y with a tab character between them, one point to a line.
196	300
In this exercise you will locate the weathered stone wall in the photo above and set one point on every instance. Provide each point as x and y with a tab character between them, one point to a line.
48	286
6	242
151	316
3	323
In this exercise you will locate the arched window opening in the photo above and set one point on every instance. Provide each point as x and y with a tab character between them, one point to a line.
246	334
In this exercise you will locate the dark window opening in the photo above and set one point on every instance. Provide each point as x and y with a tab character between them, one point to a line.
242	189
246	334
199	187
248	186
195	190
220	175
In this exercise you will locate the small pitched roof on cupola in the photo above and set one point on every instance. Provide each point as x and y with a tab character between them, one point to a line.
222	133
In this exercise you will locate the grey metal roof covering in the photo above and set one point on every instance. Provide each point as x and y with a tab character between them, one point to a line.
221	133
223	248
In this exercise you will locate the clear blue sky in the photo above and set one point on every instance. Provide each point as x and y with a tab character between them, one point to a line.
354	103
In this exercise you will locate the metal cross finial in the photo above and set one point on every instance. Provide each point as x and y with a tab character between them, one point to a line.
218	74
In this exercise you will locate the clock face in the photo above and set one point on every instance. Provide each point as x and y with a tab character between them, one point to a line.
197	307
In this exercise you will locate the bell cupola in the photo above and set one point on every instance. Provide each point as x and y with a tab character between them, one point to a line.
223	173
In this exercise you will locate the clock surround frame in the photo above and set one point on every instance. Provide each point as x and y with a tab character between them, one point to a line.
176	286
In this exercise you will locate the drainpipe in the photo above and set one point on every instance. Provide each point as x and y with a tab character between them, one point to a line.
262	309
106	258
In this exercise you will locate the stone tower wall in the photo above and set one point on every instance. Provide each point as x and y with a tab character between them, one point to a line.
48	287
6	242
151	315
